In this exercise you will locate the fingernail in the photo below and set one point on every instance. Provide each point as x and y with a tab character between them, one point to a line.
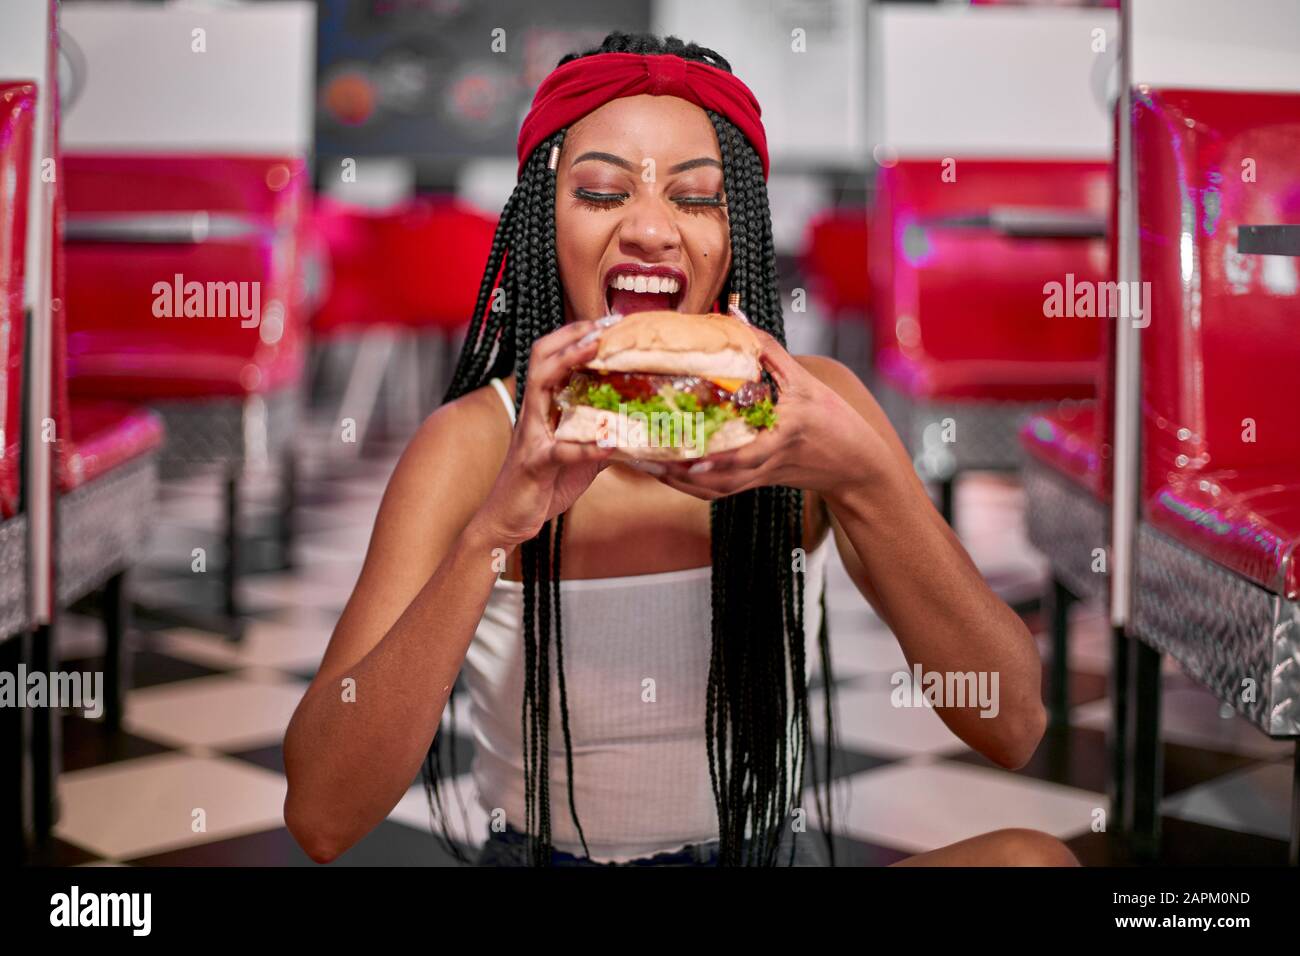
608	320
590	337
699	468
647	466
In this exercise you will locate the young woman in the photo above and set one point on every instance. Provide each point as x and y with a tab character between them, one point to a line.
676	673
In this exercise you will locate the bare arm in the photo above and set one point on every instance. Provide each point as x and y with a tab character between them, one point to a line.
358	736
833	439
914	571
352	750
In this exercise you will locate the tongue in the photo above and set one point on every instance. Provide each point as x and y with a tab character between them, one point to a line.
625	302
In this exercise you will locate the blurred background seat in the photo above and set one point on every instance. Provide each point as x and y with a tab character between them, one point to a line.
834	259
17	116
398	285
968	345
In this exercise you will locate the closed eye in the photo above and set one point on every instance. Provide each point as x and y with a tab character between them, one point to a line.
599	200
611	200
713	201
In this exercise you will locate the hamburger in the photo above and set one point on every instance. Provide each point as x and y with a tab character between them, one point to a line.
669	386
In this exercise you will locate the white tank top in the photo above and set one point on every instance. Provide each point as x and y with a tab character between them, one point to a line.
636	664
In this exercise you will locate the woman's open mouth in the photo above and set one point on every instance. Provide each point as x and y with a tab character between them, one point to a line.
636	288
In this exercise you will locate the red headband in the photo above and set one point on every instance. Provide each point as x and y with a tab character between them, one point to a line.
580	86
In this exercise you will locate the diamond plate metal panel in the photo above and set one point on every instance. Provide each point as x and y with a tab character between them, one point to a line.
986	433
1225	631
103	526
228	431
1067	524
14	616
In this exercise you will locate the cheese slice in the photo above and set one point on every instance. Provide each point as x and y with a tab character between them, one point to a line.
730	384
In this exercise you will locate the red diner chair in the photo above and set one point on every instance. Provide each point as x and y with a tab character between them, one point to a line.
142	231
17	117
1217	583
105	470
435	251
966	346
398	279
834	259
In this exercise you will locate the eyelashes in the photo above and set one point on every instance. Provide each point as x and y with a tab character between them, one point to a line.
597	200
714	201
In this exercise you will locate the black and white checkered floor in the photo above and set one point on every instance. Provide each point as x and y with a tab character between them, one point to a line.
196	775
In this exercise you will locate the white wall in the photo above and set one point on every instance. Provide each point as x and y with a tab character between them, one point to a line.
251	91
1217	44
814	102
990	81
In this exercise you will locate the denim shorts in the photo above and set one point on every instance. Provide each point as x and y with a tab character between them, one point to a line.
509	847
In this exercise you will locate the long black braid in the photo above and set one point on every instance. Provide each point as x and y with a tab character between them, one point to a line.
756	741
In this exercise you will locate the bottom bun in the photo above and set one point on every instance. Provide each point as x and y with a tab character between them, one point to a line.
588	425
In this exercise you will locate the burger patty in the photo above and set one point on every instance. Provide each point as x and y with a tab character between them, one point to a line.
644	385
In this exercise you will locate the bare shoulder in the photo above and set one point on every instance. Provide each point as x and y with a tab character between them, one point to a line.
442	477
831	372
458	449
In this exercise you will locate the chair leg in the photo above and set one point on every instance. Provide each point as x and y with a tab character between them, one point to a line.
1059	600
230	573
1117	739
46	740
361	395
1145	753
17	826
947	500
117	658
1293	851
288	502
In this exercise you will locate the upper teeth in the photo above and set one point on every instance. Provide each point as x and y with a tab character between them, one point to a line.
644	283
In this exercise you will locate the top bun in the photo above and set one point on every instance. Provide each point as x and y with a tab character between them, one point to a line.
671	343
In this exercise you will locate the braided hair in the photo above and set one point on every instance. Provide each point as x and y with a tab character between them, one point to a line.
757	715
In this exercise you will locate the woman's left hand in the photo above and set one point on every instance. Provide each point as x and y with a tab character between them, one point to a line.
819	443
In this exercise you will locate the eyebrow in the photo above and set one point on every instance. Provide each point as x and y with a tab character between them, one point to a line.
694	164
622	163
605	158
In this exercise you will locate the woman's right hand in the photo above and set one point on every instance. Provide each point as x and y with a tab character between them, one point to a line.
542	477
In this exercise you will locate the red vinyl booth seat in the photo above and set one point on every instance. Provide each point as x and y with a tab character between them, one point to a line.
1221	357
94	437
835	260
356	292
17	112
435	251
1247	521
102	436
1066	441
117	346
415	266
960	309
